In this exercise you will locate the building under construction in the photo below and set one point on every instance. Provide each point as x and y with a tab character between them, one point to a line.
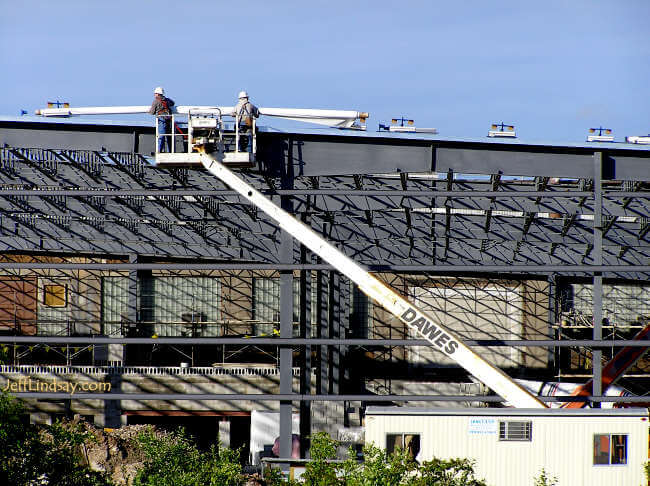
198	309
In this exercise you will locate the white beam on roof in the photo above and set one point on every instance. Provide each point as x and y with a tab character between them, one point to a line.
331	118
93	110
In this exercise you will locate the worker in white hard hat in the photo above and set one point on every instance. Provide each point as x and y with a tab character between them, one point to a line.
244	113
162	107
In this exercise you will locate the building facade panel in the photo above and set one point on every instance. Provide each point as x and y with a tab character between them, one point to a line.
18	303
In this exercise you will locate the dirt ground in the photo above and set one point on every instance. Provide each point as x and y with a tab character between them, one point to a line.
115	452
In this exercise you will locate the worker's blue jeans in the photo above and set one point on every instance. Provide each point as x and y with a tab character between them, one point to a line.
245	139
164	134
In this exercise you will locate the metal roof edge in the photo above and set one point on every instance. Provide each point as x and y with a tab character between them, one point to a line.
507	412
427	137
348	133
76	121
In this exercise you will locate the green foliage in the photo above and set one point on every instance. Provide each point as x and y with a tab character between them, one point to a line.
5	354
174	460
17	464
646	469
544	479
42	455
62	461
274	477
378	467
320	472
452	472
323	447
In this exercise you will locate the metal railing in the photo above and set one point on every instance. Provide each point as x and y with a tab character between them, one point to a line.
169	137
212	123
232	370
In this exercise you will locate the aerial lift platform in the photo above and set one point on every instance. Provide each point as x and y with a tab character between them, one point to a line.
208	130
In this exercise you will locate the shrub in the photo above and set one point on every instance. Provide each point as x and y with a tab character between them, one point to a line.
544	479
42	455
320	472
378	467
452	472
172	459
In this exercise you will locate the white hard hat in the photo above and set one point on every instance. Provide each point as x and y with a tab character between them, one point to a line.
159	91
243	94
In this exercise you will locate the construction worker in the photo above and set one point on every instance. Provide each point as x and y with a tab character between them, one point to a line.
244	113
162	108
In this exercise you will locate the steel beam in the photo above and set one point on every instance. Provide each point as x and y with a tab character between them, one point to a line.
324	342
263	397
526	269
513	194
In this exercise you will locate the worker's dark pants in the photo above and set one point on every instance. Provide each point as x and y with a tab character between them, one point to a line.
164	134
245	138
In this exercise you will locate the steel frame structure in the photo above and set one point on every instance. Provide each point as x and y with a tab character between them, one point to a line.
394	203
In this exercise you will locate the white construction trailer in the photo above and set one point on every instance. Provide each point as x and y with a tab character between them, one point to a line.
590	447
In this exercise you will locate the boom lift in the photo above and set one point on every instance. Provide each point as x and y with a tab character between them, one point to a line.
425	324
207	143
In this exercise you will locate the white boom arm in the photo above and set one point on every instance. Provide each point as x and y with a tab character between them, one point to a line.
331	118
438	336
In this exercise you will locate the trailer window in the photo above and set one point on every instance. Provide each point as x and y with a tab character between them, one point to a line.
610	449
410	442
511	430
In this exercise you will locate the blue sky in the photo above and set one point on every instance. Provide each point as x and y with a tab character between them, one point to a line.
553	68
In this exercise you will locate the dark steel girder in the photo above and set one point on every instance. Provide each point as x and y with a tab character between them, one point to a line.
310	398
296	341
374	268
470	193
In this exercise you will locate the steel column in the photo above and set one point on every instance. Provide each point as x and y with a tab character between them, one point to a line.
286	364
286	317
552	353
305	377
597	354
334	320
323	332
